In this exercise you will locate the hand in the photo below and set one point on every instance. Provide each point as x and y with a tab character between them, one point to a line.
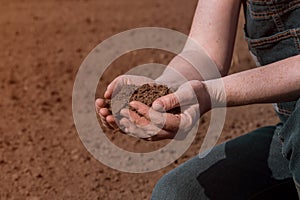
155	124
101	105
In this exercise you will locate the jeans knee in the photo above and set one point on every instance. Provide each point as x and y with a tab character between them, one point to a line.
178	185
164	188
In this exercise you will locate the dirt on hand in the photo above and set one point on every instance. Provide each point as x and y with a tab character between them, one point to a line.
145	94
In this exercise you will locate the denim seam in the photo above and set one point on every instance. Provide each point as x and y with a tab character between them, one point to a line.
260	2
275	38
296	40
268	2
276	17
269	14
284	112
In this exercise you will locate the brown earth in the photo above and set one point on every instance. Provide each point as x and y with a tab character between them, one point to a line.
42	45
145	94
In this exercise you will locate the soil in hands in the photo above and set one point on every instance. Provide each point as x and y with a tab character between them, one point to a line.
145	94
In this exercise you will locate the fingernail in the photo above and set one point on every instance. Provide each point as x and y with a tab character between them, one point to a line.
132	103
157	106
98	101
106	94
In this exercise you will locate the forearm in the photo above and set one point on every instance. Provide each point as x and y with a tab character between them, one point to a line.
214	28
210	43
189	65
276	82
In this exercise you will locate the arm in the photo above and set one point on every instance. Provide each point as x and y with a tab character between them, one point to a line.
276	82
213	29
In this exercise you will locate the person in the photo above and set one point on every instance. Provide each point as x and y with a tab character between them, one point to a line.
263	164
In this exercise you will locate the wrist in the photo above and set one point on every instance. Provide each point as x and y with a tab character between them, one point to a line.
216	91
202	95
205	64
171	77
180	70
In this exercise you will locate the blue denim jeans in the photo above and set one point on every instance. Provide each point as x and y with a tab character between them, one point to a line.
248	167
273	33
265	163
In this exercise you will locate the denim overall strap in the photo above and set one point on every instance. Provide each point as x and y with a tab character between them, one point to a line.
272	31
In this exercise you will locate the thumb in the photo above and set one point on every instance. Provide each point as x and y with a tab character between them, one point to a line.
166	103
184	96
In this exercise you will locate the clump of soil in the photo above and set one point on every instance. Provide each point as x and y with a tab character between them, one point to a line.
146	94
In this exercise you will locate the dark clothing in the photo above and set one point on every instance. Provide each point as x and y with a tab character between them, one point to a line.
262	164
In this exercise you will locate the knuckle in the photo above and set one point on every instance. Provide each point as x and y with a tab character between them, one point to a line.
142	111
173	101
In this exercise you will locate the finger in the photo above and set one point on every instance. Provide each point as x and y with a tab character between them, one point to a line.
149	132
109	122
112	121
104	112
99	103
144	110
134	117
166	103
188	117
131	129
184	96
107	119
105	123
166	121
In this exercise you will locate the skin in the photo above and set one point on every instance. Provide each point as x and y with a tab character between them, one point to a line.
276	82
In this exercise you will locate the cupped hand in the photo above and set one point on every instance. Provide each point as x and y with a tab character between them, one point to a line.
156	124
101	104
